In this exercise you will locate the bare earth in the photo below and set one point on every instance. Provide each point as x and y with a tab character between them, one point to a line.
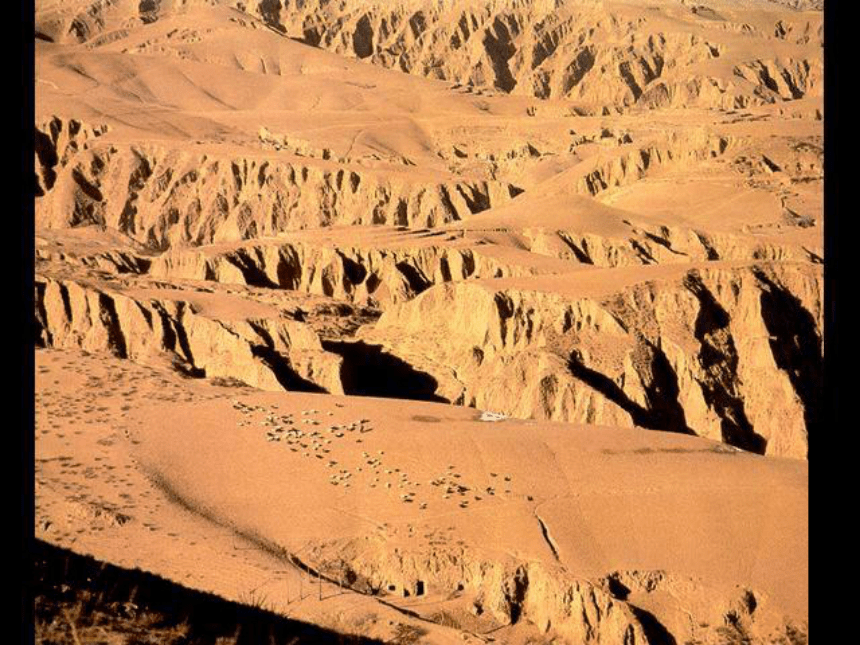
435	322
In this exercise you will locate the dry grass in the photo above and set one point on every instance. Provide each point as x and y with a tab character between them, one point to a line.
79	600
405	634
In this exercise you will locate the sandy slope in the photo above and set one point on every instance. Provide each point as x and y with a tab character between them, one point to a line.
138	466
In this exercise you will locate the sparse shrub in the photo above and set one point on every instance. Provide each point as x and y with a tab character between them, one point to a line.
255	599
733	634
227	381
405	634
445	619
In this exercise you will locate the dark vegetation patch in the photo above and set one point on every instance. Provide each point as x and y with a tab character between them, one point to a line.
80	599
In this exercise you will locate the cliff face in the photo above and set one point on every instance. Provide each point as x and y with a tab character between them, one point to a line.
508	591
270	351
164	197
599	57
218	151
728	352
548	596
371	275
706	351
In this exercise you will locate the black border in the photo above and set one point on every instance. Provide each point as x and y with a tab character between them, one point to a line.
25	437
829	481
835	163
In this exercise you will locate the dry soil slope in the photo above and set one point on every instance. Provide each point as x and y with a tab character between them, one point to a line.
670	534
602	55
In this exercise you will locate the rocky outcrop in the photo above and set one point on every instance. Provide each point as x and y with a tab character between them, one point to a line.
701	612
165	197
508	591
110	260
575	51
270	353
375	276
602	59
702	352
301	148
647	245
630	162
501	591
379	277
801	5
56	141
786	79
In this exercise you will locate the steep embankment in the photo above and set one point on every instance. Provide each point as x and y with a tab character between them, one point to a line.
202	334
708	351
603	58
373	273
164	197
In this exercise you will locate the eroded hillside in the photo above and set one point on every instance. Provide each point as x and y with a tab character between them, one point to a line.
570	216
